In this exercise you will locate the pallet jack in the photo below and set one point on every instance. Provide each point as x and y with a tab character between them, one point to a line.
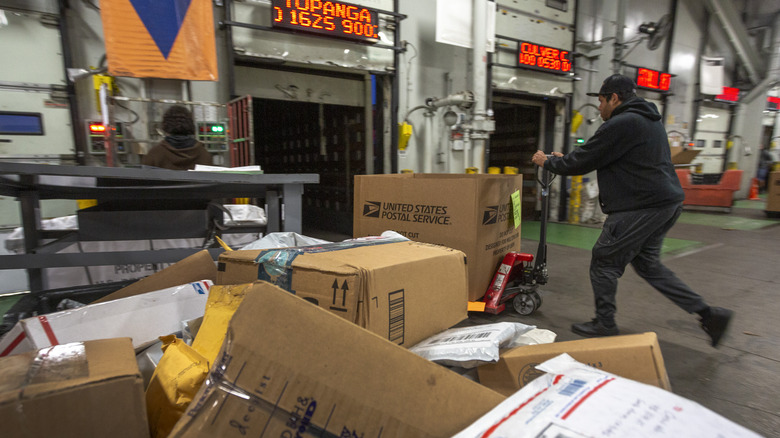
519	275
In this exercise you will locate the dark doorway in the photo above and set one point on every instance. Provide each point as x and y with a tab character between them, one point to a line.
304	137
517	137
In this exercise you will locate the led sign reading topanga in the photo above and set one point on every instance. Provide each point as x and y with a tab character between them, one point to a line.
337	19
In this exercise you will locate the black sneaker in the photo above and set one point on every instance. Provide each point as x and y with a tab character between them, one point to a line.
717	323
593	329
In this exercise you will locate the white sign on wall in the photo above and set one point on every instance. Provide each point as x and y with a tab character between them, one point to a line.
454	23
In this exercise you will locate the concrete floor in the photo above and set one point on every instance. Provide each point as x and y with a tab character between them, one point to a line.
733	266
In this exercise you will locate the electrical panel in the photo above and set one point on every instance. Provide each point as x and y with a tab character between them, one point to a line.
213	135
96	138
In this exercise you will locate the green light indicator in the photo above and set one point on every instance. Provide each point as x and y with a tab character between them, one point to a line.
217	128
580	141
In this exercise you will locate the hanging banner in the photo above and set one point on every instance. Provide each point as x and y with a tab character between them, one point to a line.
171	39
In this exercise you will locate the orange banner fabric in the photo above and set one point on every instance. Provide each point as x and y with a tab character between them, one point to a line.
171	39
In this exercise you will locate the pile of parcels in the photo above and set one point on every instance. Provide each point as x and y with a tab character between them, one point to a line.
352	339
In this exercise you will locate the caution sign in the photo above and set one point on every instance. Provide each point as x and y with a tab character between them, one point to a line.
171	39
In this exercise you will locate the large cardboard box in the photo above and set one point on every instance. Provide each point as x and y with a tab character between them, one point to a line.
773	192
90	389
472	213
636	357
288	367
403	291
143	318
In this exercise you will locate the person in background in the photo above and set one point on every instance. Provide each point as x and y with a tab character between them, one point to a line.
179	150
764	166
640	193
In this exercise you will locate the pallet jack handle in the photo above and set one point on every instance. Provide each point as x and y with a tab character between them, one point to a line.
540	264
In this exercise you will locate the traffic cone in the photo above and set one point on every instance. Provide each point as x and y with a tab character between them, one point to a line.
754	191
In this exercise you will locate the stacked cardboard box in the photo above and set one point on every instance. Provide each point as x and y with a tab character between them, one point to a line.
89	389
471	213
402	290
289	366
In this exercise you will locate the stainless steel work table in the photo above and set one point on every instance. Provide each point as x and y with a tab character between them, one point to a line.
31	183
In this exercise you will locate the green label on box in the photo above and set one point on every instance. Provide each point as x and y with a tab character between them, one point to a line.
517	207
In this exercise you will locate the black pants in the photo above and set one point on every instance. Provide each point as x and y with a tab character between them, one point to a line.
636	237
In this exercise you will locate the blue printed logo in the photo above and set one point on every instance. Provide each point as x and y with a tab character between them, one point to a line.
199	288
163	19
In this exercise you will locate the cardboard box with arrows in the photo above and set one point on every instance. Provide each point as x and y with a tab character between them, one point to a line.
403	291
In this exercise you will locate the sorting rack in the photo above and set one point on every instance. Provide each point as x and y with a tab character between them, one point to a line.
31	183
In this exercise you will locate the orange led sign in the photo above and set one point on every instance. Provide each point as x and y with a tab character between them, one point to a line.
333	18
652	79
543	58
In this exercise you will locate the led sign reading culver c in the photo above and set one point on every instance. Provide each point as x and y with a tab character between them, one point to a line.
543	58
334	18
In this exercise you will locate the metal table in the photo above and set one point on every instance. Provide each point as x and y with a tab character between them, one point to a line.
30	183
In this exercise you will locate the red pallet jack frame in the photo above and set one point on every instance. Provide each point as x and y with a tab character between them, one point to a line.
518	276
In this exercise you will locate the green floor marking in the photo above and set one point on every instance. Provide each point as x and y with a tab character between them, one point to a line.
577	236
753	205
7	302
727	222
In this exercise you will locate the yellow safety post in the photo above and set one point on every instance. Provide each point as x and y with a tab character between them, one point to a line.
575	199
494	170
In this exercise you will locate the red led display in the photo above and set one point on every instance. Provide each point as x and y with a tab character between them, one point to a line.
338	19
730	94
652	79
94	127
543	58
773	103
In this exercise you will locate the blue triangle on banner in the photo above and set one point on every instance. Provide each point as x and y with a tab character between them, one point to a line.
163	19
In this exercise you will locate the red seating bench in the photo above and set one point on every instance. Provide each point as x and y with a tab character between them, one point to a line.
710	195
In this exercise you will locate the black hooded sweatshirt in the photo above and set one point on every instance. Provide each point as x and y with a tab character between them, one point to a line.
631	155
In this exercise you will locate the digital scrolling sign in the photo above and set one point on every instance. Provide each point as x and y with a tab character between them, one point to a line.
543	58
333	18
652	79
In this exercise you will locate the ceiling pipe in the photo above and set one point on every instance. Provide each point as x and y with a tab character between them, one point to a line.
727	16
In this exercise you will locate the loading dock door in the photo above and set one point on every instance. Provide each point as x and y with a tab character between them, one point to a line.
517	137
306	137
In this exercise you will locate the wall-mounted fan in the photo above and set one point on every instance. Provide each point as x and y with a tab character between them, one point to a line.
656	32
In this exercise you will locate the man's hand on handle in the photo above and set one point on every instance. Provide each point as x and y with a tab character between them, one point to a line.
540	157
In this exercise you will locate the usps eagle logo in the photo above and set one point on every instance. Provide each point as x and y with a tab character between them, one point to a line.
372	209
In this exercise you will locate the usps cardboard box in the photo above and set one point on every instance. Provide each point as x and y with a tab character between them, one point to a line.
404	291
311	371
773	192
636	357
143	318
472	213
90	389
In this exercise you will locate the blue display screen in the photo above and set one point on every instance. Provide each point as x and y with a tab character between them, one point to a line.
15	123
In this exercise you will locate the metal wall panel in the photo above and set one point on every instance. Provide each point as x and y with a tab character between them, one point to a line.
57	138
284	85
33	49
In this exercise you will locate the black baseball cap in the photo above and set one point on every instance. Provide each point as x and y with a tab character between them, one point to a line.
616	84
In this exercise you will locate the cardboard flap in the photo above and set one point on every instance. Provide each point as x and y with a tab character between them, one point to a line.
199	266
